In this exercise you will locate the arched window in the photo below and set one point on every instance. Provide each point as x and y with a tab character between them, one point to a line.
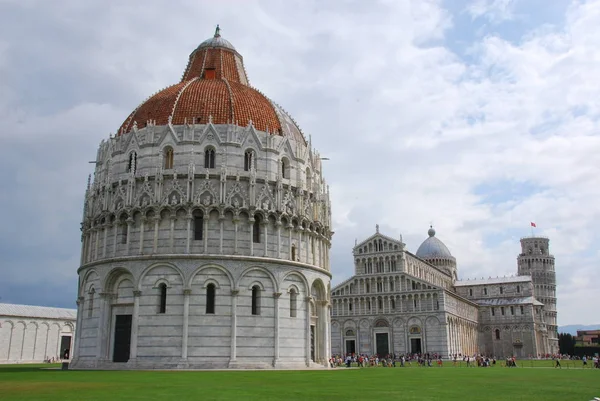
91	302
132	165
501	290
391	286
168	158
285	168
198	225
256	300
293	252
380	304
368	288
210	298
256	229
470	292
162	303
518	288
393	304
497	331
209	158
248	160
485	291
293	302
123	232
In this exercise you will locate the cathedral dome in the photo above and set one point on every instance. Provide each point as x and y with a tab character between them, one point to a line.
433	247
214	89
217	41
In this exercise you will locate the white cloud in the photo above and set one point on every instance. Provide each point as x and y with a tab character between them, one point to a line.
412	129
494	11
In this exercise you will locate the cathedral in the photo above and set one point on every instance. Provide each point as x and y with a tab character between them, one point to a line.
398	302
206	232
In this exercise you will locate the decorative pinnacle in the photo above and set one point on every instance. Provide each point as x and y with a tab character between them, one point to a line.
217	32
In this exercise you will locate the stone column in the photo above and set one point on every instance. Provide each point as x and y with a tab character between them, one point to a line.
135	325
290	228
142	229
235	236
233	354
104	230
278	224
172	233
276	297
308	317
327	324
78	330
205	232
189	233
129	225
116	230
97	236
103	327
83	245
221	223
155	244
186	323
251	236
265	224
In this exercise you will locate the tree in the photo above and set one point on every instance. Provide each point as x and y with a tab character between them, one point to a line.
566	343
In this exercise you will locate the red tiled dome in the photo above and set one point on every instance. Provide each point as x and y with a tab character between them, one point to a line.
214	85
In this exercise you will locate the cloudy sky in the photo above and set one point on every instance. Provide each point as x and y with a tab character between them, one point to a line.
478	116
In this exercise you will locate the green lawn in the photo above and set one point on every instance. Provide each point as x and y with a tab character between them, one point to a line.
31	382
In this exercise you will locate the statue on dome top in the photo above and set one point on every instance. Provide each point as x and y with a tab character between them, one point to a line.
217	31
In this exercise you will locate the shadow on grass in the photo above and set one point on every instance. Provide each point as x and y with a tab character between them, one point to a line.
28	368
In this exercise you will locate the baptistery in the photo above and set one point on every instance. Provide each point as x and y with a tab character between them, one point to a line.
206	232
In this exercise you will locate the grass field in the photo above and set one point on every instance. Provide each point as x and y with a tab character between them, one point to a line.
37	382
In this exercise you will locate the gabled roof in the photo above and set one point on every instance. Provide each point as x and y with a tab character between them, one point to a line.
378	235
43	312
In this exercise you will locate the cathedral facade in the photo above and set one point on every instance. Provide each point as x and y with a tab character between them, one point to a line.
206	232
398	302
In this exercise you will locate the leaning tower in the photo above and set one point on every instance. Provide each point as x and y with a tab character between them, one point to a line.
536	261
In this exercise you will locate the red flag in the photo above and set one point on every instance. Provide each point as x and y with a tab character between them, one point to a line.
533	224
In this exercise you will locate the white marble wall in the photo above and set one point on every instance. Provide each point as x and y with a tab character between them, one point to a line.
186	336
25	339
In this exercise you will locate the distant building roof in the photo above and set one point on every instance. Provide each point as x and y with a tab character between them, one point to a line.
507	301
44	312
497	280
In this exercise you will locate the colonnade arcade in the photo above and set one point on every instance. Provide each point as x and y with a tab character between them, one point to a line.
401	303
462	336
173	229
379	284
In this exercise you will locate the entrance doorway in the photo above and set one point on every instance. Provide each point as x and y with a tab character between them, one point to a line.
65	347
122	338
350	346
415	346
312	343
382	344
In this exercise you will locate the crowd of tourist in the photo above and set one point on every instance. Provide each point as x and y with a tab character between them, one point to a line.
430	360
